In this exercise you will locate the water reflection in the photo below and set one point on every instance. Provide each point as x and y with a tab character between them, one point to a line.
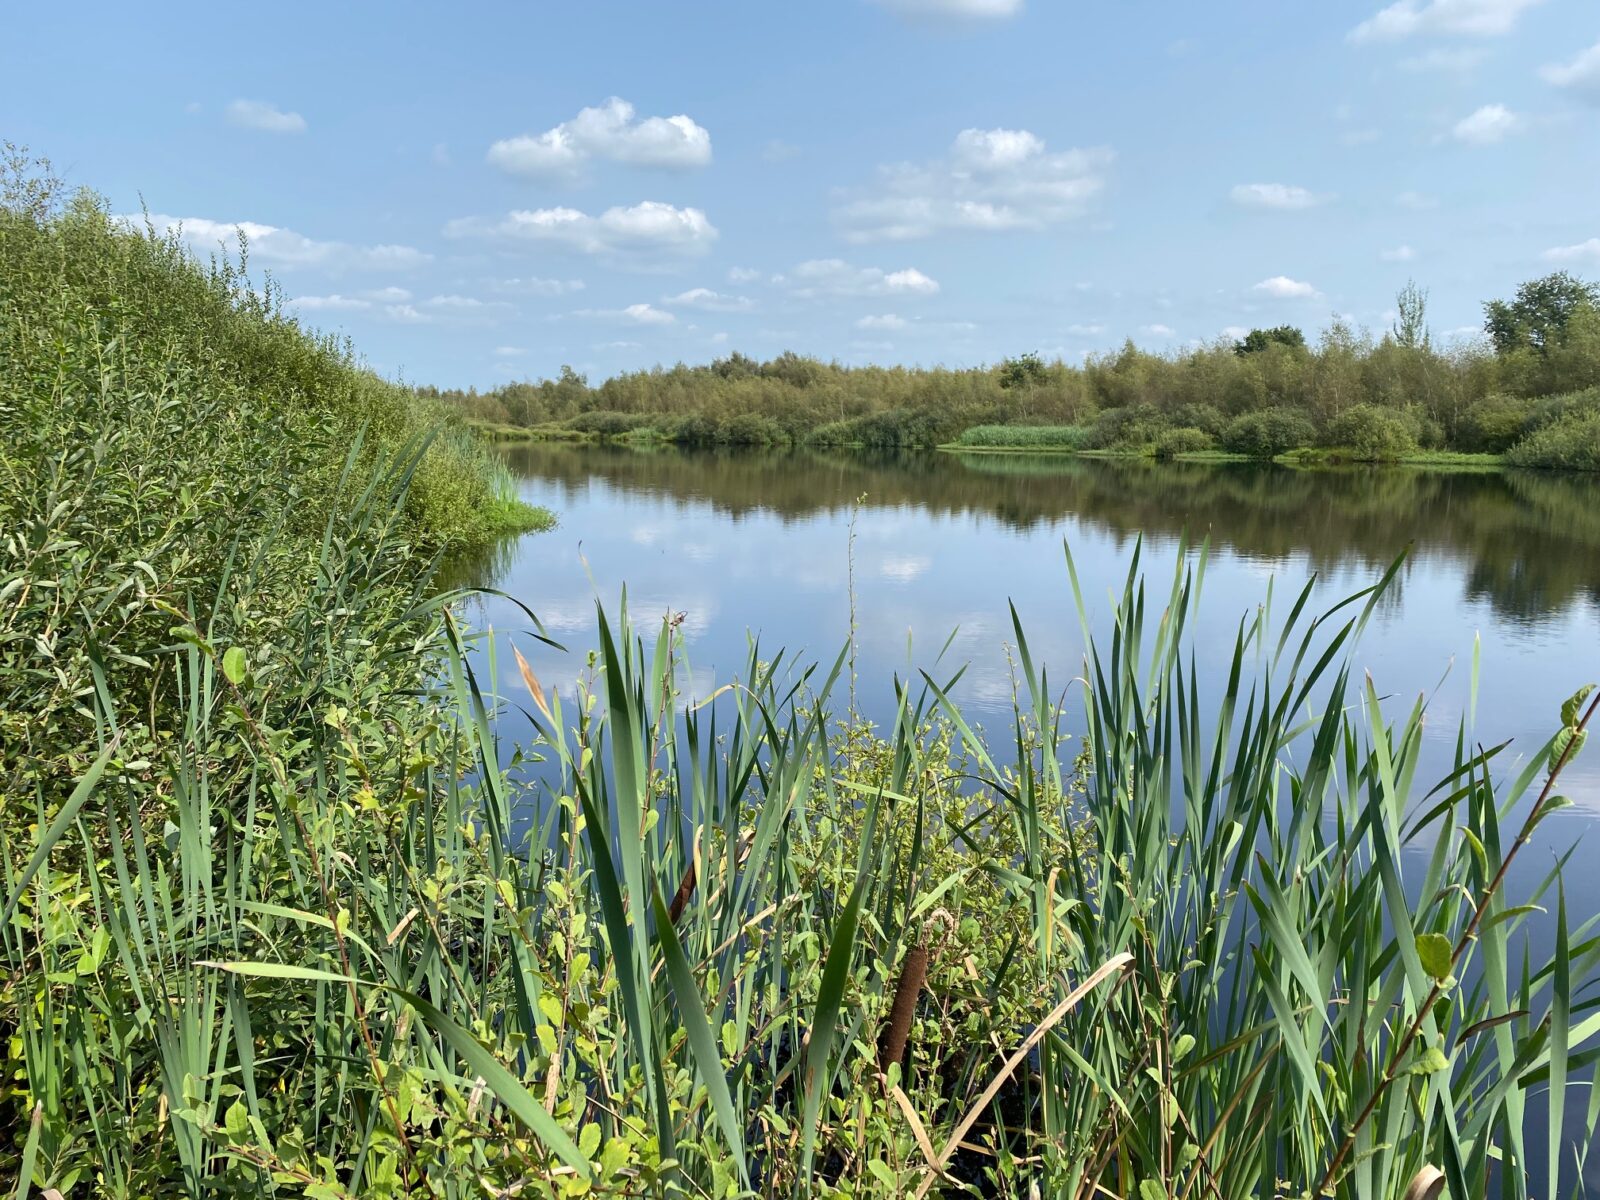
1526	542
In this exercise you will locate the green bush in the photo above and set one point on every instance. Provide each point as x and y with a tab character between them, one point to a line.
1493	425
1268	433
1570	443
1130	428
1372	434
1044	437
1183	440
609	424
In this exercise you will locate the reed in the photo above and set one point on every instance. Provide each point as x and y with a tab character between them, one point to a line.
326	943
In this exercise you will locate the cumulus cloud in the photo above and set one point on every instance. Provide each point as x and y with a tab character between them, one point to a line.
1158	330
991	179
275	246
1487	125
1090	330
610	131
333	303
710	301
1274	195
1583	252
1281	287
835	277
633	314
1581	75
882	322
742	275
648	228
1398	254
264	117
982	10
536	285
1461	18
406	314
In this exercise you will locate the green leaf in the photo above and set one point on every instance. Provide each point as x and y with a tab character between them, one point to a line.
1569	710
235	665
1431	1062
237	1122
1181	1047
1435	951
1574	737
1151	1189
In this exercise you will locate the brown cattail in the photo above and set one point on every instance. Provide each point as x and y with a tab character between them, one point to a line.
913	973
680	900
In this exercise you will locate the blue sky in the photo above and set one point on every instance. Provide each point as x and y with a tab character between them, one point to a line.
486	192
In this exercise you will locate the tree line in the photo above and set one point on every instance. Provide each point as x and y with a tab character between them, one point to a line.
1530	386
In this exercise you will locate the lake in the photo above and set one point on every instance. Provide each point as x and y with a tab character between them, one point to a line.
753	543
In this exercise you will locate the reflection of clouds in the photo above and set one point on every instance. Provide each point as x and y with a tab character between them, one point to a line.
904	568
700	552
646	535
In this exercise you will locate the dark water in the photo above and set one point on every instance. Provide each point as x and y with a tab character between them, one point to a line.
746	543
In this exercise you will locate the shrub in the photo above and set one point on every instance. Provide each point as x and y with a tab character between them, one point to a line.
1493	424
1571	443
1044	437
1204	417
1183	440
1373	434
1131	427
1268	433
609	424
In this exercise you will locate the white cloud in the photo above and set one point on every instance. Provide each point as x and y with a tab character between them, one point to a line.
742	275
965	9
647	228
534	285
835	277
1581	75
1158	330
1398	254
992	179
1487	125
1274	195
610	131
1465	18
710	301
333	303
264	117
510	351
274	246
1093	330
634	314
1233	332
406	314
388	295
1583	252
1281	287
885	321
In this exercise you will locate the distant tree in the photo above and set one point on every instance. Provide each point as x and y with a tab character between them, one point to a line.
1538	316
736	366
1024	371
1411	325
1258	340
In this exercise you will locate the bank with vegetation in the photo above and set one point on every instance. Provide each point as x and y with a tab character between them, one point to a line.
1529	392
280	916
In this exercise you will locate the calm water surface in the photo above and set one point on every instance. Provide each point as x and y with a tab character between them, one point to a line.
747	543
756	544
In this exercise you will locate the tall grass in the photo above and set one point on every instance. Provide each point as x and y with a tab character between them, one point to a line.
324	942
1026	437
